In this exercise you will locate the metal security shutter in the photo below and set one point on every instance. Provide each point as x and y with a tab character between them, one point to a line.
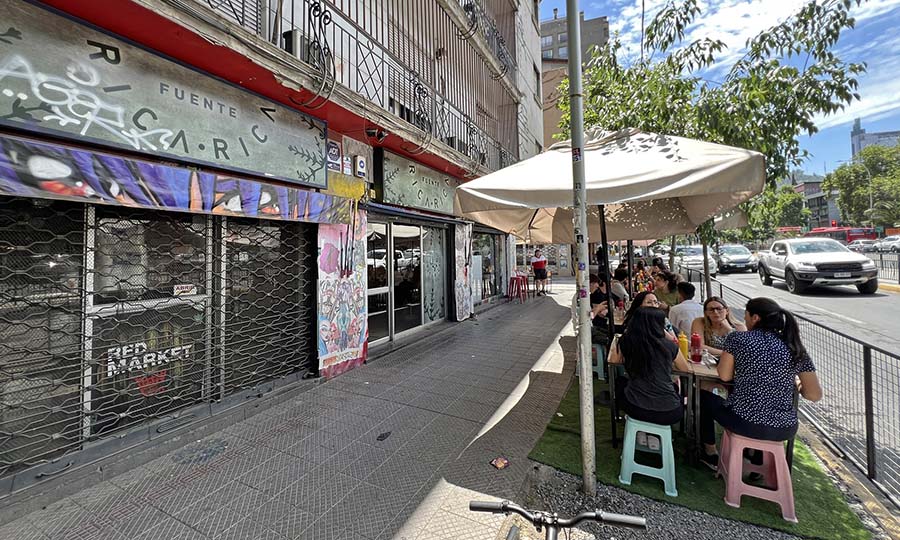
149	315
41	273
269	301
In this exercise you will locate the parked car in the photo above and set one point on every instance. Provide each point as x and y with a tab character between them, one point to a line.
735	258
803	262
889	243
863	246
691	257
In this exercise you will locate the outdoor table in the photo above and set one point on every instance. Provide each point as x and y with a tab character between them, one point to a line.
697	374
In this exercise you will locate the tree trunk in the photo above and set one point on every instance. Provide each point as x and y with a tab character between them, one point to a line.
672	255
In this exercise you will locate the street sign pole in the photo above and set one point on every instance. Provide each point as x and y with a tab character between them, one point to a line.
579	194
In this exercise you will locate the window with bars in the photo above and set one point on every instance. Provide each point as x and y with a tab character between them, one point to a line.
112	317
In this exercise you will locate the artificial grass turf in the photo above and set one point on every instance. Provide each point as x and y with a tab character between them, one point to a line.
820	507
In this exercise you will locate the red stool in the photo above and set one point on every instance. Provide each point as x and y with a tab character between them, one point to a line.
774	469
518	288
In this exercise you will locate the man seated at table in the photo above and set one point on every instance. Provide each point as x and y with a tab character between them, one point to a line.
620	278
688	309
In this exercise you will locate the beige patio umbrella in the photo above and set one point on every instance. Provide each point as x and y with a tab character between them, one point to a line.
652	186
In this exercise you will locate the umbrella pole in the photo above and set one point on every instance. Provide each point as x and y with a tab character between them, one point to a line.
579	196
630	249
609	299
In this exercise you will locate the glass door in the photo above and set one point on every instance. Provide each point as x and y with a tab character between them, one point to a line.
378	266
407	276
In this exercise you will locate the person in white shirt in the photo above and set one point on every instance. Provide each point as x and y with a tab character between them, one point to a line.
684	313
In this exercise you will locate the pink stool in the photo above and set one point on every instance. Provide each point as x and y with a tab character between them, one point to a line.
517	288
774	471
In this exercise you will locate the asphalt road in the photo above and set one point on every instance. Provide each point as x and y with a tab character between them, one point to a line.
871	318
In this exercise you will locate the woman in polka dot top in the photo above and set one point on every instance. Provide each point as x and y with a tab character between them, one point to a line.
765	363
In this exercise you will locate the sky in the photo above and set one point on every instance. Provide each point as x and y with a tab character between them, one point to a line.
875	40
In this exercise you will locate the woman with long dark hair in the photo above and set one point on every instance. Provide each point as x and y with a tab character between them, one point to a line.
764	362
647	299
648	393
665	287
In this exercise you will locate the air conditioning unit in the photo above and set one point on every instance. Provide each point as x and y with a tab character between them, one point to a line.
296	43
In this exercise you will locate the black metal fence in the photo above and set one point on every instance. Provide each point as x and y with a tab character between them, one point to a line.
859	415
888	267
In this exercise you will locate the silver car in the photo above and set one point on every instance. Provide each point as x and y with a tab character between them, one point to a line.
889	243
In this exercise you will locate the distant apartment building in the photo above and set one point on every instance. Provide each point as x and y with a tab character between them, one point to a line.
555	35
822	206
859	139
554	67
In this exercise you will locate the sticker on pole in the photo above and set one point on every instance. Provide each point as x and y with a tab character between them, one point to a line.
576	154
581	266
582	293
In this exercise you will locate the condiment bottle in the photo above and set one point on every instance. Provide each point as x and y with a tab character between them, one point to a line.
696	348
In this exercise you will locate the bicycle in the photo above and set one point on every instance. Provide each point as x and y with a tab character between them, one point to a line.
551	521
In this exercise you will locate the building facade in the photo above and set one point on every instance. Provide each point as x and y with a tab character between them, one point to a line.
555	36
859	139
205	202
822	206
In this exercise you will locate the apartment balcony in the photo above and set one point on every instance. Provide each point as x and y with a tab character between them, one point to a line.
348	43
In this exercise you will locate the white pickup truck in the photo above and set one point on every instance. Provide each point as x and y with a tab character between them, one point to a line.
803	262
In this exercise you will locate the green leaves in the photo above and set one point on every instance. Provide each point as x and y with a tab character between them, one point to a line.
873	178
789	76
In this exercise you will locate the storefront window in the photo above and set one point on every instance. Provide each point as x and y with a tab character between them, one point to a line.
376	255
378	316
143	257
485	252
435	264
407	277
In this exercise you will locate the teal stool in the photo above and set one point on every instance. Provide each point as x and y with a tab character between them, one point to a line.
629	467
598	362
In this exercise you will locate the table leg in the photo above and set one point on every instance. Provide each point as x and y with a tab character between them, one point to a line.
698	444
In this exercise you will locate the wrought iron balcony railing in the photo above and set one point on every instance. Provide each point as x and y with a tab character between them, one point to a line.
372	53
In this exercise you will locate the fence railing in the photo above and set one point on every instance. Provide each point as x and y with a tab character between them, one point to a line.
888	267
344	51
859	415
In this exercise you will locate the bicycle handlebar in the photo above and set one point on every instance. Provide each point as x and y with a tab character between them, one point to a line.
545	519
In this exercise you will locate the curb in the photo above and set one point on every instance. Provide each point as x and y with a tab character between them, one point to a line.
872	503
889	287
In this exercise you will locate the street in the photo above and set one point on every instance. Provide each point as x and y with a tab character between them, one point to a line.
870	318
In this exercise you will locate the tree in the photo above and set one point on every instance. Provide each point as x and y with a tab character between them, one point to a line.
789	75
790	208
872	179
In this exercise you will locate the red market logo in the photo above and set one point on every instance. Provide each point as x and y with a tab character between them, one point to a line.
137	357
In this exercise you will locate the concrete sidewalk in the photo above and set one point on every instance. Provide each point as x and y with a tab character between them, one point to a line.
394	449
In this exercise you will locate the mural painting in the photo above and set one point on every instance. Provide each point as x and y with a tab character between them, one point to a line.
343	323
463	265
51	171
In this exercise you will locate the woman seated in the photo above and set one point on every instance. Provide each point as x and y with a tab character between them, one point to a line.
715	325
764	364
648	393
648	299
665	287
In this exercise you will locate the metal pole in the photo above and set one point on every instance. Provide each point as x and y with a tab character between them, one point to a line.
871	468
609	299
579	196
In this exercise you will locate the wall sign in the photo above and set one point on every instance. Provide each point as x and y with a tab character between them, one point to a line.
410	184
334	156
60	77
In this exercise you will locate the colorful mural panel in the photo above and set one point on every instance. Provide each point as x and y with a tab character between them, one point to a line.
50	171
343	325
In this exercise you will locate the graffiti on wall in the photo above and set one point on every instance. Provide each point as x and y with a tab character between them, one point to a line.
61	77
51	171
343	323
463	264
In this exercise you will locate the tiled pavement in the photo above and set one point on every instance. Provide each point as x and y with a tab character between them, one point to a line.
395	449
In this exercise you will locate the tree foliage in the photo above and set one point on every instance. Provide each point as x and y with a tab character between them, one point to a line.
768	97
873	176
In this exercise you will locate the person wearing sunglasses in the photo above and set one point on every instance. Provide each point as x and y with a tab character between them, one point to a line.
715	325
